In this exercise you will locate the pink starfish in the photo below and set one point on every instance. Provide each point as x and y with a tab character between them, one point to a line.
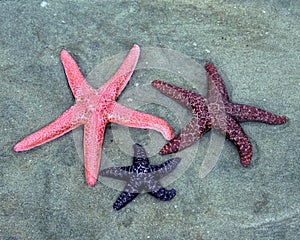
95	108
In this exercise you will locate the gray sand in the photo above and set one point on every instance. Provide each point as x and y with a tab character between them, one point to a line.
256	47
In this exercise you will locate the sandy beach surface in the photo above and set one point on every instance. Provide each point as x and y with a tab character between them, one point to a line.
255	46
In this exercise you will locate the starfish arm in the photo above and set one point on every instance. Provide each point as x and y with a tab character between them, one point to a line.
131	118
165	168
242	112
120	173
164	194
184	97
76	80
93	138
120	79
188	135
152	184
124	199
237	136
216	84
139	154
63	124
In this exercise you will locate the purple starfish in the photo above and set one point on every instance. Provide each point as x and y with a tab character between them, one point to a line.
214	112
141	176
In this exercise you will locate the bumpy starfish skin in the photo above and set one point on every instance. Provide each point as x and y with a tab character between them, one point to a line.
94	108
214	112
141	176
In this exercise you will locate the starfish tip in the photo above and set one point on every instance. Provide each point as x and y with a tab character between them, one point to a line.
91	181
162	152
155	82
284	119
64	53
208	65
170	135
136	46
246	164
18	148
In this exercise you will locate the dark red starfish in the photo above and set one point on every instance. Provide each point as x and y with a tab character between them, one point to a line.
214	112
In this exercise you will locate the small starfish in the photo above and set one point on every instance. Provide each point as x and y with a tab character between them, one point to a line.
214	112
141	176
95	108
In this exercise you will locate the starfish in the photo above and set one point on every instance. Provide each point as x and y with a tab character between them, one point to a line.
141	176
95	108
214	112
